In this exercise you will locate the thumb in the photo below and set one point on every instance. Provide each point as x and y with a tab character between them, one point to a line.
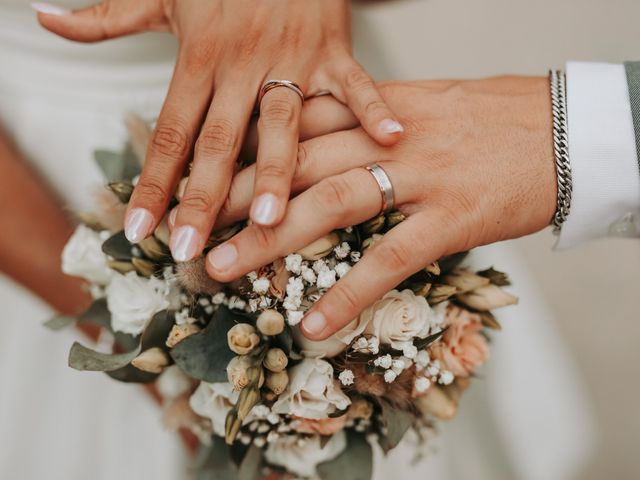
105	20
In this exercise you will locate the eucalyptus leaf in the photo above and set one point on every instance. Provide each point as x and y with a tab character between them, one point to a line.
284	340
251	466
355	463
130	374
86	359
397	422
111	163
130	163
118	247
60	322
206	354
98	314
214	462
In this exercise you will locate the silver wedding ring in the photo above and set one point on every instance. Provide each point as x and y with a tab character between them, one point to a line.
384	183
271	84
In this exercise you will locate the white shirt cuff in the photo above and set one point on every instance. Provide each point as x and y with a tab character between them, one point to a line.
603	154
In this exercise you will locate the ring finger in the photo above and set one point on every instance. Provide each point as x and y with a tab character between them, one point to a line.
278	133
335	202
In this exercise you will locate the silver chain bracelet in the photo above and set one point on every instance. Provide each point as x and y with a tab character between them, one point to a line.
561	148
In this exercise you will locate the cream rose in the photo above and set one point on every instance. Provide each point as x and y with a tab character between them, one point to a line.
312	391
332	346
302	455
242	338
134	300
213	401
83	257
397	318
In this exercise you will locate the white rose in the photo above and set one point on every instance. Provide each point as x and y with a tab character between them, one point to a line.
134	300
83	257
312	391
301	456
397	318
214	401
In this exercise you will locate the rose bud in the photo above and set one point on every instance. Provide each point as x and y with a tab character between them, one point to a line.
153	360
237	373
275	360
320	248
242	338
270	322
370	242
180	332
487	298
277	382
465	281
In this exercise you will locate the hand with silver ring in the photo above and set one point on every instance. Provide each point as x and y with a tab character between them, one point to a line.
474	166
228	50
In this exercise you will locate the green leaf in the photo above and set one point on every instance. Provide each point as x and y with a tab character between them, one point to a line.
118	247
214	462
130	374
117	166
251	466
83	358
355	463
205	355
155	335
397	422
60	322
284	340
130	163
99	314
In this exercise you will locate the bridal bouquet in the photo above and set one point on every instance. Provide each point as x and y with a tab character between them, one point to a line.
232	366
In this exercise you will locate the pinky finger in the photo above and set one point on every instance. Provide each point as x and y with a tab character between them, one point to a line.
385	265
364	99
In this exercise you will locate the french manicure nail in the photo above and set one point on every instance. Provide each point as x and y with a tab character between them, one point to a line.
49	9
390	126
184	243
265	209
138	225
314	323
223	257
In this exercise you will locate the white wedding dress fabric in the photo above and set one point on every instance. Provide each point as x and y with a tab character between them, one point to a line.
525	418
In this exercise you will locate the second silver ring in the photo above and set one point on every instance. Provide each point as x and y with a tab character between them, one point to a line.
385	185
274	83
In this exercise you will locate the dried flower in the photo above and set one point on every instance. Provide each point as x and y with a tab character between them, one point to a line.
110	211
487	298
261	285
346	377
371	241
465	281
320	248
437	403
180	332
277	382
237	372
153	360
293	263
270	322
360	409
193	277
294	317
323	426
242	338
390	376
275	360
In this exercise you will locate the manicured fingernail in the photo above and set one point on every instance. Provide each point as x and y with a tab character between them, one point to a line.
314	323
49	9
265	209
172	217
184	243
390	126
138	225
223	257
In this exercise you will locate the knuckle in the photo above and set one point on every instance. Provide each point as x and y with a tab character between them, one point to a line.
151	190
392	256
334	195
277	112
218	138
346	298
264	237
357	79
197	199
170	140
375	107
273	168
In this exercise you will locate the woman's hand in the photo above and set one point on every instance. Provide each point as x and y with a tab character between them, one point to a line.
474	166
228	49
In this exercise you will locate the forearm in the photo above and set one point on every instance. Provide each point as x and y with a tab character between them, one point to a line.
35	230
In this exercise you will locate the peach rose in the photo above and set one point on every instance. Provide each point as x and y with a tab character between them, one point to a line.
463	348
324	426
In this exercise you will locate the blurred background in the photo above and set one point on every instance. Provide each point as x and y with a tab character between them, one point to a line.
594	290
